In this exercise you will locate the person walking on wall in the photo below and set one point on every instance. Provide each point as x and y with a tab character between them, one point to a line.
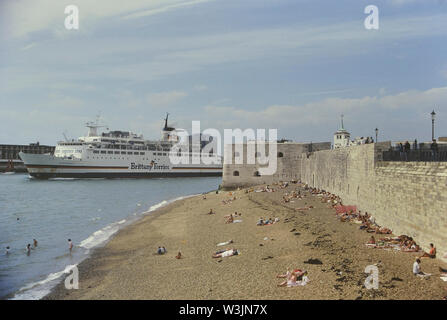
434	150
407	149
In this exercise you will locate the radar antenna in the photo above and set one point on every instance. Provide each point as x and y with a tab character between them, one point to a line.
93	126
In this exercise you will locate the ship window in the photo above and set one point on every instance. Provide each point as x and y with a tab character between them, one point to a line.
103	152
122	152
110	152
236	173
257	174
142	153
280	155
117	152
129	153
95	151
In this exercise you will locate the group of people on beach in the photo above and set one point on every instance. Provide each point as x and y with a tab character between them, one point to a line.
230	218
267	222
163	250
295	194
231	199
403	243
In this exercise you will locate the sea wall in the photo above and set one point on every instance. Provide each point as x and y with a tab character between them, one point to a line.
346	172
408	197
244	174
411	198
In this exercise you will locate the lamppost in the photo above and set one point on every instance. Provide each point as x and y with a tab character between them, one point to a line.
433	115
377	134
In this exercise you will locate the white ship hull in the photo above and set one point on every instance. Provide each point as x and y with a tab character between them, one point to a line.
44	166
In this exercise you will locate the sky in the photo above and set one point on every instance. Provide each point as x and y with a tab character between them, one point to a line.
291	65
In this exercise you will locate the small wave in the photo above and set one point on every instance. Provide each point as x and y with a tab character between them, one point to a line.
38	290
98	237
44	286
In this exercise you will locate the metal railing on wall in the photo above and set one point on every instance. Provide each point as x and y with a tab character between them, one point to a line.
423	155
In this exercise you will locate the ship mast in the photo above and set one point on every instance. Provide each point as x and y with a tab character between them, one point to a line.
93	126
166	120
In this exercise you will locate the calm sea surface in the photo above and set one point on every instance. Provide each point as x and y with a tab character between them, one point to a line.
86	211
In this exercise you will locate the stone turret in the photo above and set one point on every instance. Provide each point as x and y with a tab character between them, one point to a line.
342	137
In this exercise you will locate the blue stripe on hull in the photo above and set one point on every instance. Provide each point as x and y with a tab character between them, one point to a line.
124	175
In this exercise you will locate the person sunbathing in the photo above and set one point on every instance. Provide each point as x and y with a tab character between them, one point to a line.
260	222
225	243
230	219
211	211
431	253
291	277
179	255
384	230
412	248
226	253
372	240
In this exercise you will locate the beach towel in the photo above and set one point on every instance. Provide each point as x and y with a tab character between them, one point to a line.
345	209
443	278
237	221
303	282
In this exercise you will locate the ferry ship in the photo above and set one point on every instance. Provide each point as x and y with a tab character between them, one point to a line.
123	154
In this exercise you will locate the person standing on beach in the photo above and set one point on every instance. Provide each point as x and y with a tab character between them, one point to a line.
70	245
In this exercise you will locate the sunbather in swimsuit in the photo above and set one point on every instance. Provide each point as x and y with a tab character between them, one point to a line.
226	253
431	253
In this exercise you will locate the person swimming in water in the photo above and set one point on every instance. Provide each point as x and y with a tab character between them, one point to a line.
35	243
28	249
7	250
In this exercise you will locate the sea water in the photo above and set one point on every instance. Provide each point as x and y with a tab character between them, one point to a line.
87	211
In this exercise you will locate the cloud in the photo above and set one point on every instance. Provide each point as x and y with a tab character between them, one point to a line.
21	18
29	46
396	113
150	12
200	88
162	99
406	2
177	54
